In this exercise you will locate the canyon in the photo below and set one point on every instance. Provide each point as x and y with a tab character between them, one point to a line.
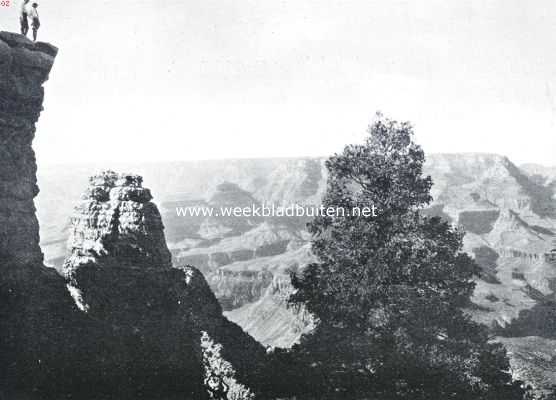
507	213
118	305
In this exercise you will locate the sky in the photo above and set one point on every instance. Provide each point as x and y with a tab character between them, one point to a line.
155	80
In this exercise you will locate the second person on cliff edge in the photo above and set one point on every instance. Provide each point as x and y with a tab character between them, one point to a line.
35	22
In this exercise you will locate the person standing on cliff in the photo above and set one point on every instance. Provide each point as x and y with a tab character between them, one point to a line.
23	21
35	22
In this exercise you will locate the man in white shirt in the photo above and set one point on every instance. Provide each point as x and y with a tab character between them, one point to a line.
35	22
23	21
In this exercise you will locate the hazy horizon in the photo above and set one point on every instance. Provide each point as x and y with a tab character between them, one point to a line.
106	164
149	82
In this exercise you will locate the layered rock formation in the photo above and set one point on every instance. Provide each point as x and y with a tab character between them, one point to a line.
119	271
116	224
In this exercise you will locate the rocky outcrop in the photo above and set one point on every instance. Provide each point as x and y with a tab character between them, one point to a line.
116	224
24	67
119	271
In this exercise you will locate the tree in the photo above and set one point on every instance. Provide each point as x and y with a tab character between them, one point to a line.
388	291
219	374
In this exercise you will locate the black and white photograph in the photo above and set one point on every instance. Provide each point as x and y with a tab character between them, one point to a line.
278	200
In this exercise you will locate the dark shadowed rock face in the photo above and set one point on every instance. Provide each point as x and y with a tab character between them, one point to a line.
39	323
24	67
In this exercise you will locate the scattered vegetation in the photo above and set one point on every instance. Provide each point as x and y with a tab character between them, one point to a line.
219	374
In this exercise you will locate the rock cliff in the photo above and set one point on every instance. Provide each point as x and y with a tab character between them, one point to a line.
36	312
24	67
